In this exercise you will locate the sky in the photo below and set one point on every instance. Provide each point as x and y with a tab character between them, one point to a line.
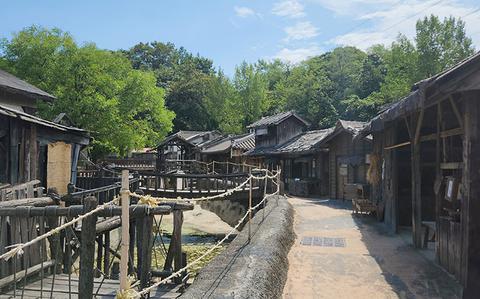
229	32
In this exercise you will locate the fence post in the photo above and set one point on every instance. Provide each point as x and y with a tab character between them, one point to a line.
144	249
278	180
178	260
265	194
124	252
250	206
87	251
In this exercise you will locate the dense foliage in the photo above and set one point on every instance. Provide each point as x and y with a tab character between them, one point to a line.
99	90
122	96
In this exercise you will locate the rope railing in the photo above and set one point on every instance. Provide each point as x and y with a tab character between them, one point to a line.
151	199
18	248
132	294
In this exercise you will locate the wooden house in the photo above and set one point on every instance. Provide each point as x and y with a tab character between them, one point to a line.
273	131
425	168
32	148
304	165
183	145
347	159
230	148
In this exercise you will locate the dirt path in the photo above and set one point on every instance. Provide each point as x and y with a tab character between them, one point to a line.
338	255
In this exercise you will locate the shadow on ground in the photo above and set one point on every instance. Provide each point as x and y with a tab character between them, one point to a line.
406	270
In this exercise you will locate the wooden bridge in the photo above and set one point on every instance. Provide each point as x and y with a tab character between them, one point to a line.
84	260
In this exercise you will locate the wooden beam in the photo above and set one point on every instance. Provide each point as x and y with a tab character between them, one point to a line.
87	249
398	145
443	134
6	281
451	165
416	186
408	127
419	126
456	111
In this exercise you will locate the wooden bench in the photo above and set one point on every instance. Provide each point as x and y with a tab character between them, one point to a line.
363	206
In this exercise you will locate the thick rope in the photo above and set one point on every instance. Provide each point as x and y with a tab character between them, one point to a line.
18	248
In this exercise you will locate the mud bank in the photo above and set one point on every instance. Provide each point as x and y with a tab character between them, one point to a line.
255	269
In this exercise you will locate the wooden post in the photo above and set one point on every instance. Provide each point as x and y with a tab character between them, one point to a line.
124	252
144	249
177	231
416	186
470	208
250	207
87	251
106	259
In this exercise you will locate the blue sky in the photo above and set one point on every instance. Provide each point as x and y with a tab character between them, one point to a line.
229	32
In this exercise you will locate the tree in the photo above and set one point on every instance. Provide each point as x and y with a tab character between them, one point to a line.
185	78
441	45
252	91
307	91
222	100
121	107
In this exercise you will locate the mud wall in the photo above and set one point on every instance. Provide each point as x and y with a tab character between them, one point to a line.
255	269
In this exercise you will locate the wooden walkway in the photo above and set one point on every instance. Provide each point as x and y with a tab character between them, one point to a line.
65	289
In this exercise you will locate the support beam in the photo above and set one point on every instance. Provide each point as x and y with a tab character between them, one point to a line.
87	249
471	201
416	186
456	111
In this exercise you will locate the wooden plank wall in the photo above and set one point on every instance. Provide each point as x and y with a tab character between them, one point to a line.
15	230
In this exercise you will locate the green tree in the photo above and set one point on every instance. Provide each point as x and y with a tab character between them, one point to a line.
307	91
252	92
441	45
222	100
121	107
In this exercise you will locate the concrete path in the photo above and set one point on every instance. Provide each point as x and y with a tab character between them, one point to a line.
340	255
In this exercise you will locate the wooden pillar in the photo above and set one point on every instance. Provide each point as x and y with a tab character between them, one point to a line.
124	252
144	249
471	200
416	183
87	251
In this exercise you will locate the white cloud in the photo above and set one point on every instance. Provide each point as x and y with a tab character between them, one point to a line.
288	8
243	11
297	55
301	30
386	21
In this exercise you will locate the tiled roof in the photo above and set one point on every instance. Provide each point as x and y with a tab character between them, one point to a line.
245	142
276	119
13	84
353	126
304	142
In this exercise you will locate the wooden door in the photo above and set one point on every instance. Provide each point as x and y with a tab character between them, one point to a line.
342	178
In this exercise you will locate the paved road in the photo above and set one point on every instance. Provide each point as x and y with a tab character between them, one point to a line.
339	255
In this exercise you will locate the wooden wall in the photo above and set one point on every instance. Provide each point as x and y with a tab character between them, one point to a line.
281	133
342	149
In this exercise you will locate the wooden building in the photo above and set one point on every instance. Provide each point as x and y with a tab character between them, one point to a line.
32	148
347	159
304	165
230	148
272	132
426	149
183	145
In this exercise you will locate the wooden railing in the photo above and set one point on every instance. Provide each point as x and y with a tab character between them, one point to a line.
131	163
191	185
